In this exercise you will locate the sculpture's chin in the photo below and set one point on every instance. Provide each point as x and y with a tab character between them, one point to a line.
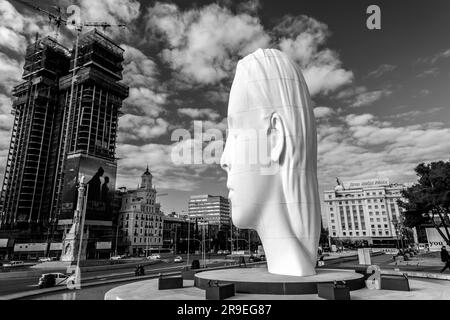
243	221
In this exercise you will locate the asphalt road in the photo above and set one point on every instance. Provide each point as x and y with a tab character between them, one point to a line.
384	261
10	286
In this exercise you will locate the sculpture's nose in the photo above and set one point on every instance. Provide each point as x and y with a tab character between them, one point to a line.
224	160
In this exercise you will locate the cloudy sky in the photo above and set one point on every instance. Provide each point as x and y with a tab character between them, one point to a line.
381	96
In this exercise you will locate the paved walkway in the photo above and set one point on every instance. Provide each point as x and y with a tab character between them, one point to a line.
148	290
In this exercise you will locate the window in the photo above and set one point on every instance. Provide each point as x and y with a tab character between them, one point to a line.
343	233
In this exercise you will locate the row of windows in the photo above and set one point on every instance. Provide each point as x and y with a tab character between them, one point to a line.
363	233
143	240
372	193
145	217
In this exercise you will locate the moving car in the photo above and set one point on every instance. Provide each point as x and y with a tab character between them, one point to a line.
115	258
178	259
220	252
154	256
226	252
48	280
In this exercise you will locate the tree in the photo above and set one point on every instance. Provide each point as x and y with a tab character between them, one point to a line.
428	201
323	236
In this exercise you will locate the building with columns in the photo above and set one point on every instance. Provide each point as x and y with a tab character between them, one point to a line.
364	210
140	218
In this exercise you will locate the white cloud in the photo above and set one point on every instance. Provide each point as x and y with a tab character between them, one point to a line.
363	146
381	70
167	175
10	72
138	69
140	128
198	114
301	38
359	120
368	98
430	72
205	43
360	96
143	100
323	112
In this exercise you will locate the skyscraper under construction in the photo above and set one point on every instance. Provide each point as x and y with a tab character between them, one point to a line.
65	126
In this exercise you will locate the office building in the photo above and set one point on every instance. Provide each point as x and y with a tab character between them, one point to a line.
176	234
364	210
211	215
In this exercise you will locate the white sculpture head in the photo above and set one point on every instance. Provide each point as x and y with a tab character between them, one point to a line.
270	113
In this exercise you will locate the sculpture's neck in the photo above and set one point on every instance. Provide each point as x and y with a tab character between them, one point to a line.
285	252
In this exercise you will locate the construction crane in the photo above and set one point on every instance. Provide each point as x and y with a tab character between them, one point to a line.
55	18
58	19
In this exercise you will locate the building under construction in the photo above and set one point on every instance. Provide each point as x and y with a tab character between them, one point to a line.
65	126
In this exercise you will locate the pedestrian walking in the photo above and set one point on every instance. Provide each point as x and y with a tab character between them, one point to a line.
445	257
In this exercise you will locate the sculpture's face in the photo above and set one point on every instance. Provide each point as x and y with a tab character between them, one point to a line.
248	187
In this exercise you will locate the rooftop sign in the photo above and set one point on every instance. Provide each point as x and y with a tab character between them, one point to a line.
366	183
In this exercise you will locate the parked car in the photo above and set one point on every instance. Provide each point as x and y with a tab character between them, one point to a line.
13	264
48	280
226	252
178	259
220	252
115	258
45	259
254	259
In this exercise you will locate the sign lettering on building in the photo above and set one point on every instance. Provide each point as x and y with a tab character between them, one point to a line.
366	183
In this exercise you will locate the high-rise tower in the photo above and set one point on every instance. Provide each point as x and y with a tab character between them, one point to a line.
28	174
65	127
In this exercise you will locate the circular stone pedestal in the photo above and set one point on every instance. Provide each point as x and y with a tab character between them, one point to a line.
259	280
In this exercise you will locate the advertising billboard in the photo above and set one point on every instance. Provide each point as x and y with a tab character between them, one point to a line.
30	247
435	241
100	179
56	246
103	245
3	243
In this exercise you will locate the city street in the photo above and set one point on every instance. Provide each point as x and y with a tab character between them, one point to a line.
15	285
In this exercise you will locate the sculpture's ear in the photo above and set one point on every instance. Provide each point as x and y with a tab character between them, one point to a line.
276	137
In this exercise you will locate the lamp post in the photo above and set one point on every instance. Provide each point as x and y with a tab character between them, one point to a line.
189	234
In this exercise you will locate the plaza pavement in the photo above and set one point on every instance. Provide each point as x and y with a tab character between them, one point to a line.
148	290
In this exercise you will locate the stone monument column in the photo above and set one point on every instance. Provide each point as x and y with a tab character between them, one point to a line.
72	239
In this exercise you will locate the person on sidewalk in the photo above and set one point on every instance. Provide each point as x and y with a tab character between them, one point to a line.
445	257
